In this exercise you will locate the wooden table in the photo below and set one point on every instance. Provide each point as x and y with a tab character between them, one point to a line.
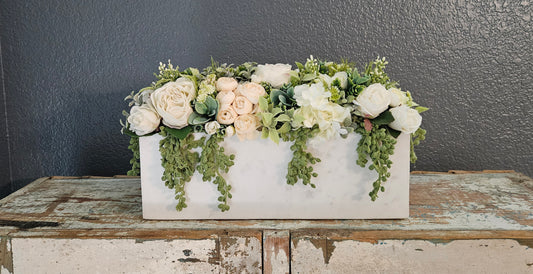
460	223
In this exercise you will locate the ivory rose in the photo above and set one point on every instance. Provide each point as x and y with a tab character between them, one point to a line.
277	75
245	127
143	120
397	97
241	105
406	119
226	115
230	131
373	100
212	127
311	95
172	102
226	84
225	97
252	91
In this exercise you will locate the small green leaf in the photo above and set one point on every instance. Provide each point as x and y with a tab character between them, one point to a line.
263	103
283	118
421	109
201	108
264	133
267	118
394	133
361	80
179	133
128	132
276	111
211	103
199	120
285	128
274	136
384	118
308	77
300	66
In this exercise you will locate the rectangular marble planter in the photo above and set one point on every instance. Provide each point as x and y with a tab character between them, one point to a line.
260	192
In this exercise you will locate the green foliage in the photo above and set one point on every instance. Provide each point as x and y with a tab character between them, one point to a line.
379	146
204	111
179	163
283	97
134	162
416	137
300	166
214	162
178	133
242	72
274	120
356	83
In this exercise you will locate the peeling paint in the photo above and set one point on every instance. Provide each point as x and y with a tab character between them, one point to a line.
326	245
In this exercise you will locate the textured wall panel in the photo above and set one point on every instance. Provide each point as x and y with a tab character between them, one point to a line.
67	66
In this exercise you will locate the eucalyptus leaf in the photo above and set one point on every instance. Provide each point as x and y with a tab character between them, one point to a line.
211	103
201	108
384	118
179	133
200	120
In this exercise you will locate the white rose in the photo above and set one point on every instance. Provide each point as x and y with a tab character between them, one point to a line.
241	105
245	127
373	100
212	127
172	102
226	115
406	120
226	84
314	95
230	131
143	120
342	76
252	91
225	97
397	97
309	116
277	75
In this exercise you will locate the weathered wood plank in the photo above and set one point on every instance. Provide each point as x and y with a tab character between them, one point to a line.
322	255
223	253
6	256
276	251
464	202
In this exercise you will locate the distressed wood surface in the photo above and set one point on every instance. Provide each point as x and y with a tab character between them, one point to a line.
111	207
276	251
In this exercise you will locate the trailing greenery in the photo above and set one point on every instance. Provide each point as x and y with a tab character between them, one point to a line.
134	162
419	135
179	162
379	146
300	167
214	162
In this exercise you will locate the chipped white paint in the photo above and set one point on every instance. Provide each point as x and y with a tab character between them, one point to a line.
414	256
4	270
279	259
121	256
242	255
276	246
259	186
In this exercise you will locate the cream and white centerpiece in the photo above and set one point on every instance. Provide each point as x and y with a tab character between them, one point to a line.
276	142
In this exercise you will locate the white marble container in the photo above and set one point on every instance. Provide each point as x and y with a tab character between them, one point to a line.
260	192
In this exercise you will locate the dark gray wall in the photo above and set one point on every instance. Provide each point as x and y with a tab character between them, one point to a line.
67	66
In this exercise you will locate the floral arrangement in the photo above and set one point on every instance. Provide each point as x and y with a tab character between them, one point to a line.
317	101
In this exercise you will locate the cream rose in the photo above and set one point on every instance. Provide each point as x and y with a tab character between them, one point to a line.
143	120
252	91
226	115
277	75
225	97
172	102
397	97
226	84
241	105
373	100
245	127
406	120
212	127
230	131
311	95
